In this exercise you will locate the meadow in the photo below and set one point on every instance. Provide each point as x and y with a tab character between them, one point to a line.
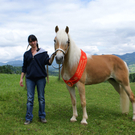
103	108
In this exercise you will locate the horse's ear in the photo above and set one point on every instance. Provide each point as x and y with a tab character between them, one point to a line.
56	29
67	29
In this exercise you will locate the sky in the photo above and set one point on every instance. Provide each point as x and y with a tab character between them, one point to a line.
96	26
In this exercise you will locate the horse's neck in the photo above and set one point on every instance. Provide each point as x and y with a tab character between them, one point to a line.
73	55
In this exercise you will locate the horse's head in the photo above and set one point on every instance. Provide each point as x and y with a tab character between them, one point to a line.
61	44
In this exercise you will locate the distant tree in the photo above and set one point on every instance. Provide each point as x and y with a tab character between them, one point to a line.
8	69
132	77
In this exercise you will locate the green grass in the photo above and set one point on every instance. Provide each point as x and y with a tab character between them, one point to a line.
103	110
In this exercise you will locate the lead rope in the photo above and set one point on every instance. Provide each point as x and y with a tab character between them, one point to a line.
57	67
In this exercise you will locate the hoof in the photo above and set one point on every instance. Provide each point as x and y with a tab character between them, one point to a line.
84	122
134	120
73	119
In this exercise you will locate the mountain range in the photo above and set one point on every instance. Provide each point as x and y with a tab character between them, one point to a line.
16	63
129	58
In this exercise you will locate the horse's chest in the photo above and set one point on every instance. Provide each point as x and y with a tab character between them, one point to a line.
68	72
66	75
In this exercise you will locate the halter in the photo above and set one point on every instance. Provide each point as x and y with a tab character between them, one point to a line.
59	49
64	52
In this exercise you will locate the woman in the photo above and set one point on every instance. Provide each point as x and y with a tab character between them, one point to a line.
34	63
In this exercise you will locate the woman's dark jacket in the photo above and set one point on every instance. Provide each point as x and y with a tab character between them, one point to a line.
34	66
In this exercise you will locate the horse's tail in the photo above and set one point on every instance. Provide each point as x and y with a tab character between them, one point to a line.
124	99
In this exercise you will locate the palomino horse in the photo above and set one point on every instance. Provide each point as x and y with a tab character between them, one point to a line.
98	69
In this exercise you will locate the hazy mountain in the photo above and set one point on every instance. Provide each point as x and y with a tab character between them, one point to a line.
16	63
129	58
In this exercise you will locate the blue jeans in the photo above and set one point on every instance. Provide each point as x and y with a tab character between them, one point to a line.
30	97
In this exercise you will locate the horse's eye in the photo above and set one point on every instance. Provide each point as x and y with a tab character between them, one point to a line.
54	40
68	41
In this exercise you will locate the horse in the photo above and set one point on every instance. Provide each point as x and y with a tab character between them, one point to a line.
98	68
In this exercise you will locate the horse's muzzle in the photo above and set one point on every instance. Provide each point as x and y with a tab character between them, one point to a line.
59	58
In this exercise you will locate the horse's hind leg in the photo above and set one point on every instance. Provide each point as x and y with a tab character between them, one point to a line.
73	100
124	99
81	88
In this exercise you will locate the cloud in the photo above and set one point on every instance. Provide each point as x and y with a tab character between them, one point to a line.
96	26
8	54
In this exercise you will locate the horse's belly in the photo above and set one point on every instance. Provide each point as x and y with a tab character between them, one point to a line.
96	78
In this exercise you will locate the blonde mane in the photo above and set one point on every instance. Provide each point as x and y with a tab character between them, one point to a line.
74	53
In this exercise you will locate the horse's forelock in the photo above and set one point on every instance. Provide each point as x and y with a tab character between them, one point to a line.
62	36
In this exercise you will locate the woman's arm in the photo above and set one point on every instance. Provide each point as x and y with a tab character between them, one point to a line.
21	79
24	67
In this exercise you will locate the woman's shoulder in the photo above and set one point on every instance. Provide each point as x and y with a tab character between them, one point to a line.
27	52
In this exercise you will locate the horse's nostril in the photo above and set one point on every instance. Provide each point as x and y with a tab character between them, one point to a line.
62	58
59	60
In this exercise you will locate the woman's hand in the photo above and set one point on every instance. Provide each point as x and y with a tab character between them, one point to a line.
52	58
21	79
21	82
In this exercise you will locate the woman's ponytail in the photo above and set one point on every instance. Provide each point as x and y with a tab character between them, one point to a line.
27	47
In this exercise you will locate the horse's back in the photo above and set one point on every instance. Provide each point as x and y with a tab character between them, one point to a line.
105	62
102	67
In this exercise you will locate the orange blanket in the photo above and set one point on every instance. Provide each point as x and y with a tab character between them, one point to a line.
78	74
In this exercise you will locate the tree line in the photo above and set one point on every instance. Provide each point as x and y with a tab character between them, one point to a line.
8	69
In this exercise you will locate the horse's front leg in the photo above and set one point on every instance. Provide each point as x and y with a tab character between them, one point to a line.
73	100
81	88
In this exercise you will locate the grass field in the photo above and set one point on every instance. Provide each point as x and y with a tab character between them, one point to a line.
103	110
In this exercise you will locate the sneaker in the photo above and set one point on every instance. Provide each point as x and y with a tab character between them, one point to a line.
27	122
43	120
